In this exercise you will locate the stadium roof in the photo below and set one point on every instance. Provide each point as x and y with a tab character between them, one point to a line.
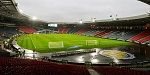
8	8
139	17
126	18
146	1
10	14
73	11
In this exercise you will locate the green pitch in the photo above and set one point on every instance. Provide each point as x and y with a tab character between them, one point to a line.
39	42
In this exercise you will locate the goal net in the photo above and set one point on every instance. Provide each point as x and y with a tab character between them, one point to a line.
55	44
91	42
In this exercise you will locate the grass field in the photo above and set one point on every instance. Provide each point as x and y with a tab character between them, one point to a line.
39	42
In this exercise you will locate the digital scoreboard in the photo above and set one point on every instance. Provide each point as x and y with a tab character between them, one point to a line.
52	25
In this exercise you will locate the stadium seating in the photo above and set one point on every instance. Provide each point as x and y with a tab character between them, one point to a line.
90	33
103	33
72	30
16	66
128	34
138	36
118	71
60	30
27	29
143	40
141	35
7	32
97	33
63	30
81	31
113	35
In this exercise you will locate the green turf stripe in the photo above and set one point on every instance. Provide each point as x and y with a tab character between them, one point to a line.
39	42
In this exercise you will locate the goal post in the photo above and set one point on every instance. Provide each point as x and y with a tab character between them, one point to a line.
56	44
91	42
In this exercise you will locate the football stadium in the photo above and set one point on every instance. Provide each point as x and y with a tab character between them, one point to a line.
66	42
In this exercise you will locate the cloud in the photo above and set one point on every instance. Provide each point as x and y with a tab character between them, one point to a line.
74	10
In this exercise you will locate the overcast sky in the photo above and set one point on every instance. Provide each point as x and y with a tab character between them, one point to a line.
75	10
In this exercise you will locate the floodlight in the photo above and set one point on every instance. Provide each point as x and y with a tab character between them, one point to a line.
81	21
34	18
21	11
93	20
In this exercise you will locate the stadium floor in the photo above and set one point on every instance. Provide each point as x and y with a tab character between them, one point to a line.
88	57
99	59
45	43
106	44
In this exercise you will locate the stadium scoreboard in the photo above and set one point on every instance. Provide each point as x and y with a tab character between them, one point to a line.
52	25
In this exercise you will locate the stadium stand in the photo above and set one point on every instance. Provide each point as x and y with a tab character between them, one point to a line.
16	66
113	35
63	30
118	71
27	29
138	36
7	32
145	39
97	33
141	35
90	33
129	34
81	31
72	30
105	33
